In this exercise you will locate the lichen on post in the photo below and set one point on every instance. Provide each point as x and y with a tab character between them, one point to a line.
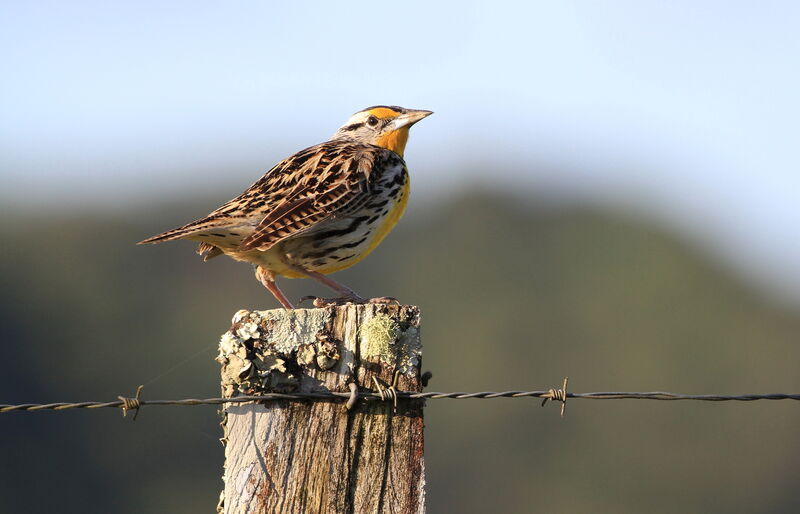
316	456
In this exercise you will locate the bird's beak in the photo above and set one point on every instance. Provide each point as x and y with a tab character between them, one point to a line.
410	117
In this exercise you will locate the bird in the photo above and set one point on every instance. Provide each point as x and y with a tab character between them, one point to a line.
319	211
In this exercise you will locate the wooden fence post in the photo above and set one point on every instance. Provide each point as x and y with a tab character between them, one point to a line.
287	456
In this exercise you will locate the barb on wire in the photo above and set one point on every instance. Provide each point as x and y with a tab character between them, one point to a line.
559	395
388	393
132	403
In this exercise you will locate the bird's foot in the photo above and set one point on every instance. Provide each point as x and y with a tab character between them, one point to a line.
384	300
320	302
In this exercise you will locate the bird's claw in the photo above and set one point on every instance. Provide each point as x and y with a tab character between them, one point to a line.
320	302
384	300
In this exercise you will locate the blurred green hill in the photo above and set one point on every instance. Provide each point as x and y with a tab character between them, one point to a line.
513	297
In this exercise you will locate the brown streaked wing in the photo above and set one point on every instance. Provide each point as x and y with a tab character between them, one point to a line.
334	182
250	206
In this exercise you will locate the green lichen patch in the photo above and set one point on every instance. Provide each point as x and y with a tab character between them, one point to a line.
378	336
386	340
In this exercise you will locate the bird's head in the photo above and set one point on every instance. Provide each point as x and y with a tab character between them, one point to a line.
384	126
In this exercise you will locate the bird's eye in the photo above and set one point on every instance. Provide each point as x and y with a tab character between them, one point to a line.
372	121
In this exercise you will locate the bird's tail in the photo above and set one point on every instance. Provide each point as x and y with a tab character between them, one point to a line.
193	228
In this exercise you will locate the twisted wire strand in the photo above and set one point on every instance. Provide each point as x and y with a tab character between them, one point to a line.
136	403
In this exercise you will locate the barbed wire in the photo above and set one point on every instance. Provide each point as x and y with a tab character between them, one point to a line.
560	395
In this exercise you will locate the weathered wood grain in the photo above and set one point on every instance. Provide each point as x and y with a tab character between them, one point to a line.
315	456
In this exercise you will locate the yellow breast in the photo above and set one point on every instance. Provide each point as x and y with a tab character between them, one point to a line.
382	230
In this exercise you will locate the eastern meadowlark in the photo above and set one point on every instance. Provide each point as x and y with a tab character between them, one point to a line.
319	211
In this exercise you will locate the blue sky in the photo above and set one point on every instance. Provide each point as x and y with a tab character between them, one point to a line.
685	111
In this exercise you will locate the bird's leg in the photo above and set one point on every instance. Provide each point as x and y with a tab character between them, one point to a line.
343	290
267	278
348	295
